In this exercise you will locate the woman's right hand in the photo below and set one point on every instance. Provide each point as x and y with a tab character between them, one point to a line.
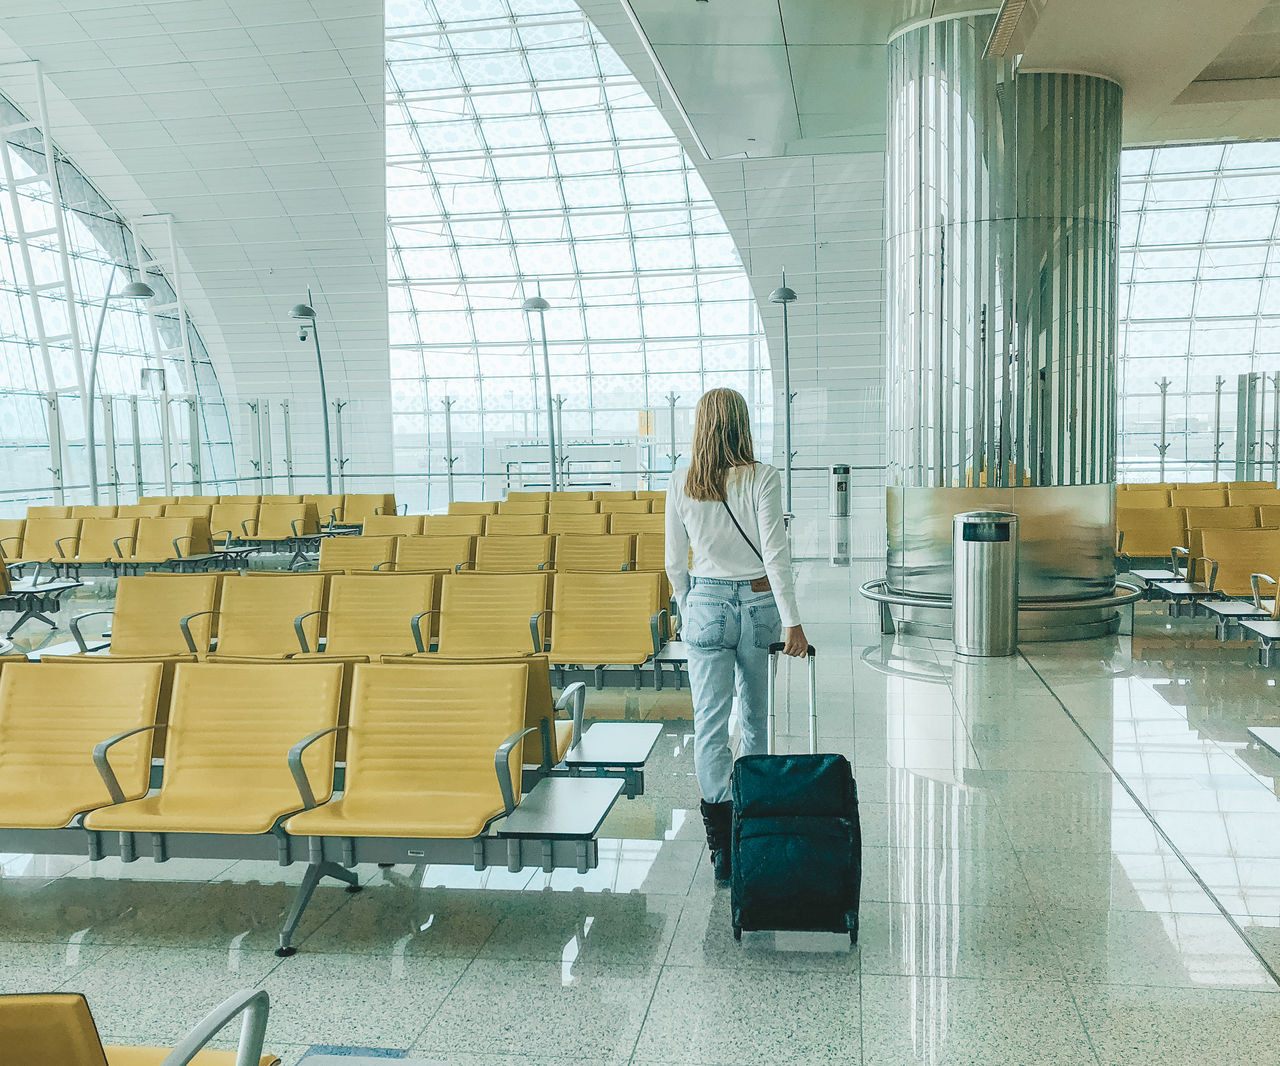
796	642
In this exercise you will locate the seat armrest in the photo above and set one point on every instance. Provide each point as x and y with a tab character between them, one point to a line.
415	623
75	629
5	540
185	625
103	765
253	1004
387	562
575	694
1174	552
300	633
226	533
133	541
1120	542
1213	571
502	765
535	630
1255	582
659	629
464	566
60	542
244	527
299	772
177	551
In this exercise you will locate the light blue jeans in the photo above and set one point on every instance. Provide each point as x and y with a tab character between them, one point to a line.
728	630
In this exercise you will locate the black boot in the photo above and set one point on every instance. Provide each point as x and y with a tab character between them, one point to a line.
718	820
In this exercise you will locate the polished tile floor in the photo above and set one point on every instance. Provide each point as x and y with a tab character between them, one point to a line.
1072	857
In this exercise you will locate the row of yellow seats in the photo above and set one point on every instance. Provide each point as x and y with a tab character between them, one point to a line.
566	551
1245	494
513	525
432	753
594	618
347	508
535	507
586	494
1165	486
103	540
1236	562
1145	533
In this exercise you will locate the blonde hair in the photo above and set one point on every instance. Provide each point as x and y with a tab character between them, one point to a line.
721	441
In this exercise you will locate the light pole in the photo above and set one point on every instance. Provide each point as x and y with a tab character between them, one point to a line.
135	290
307	314
783	295
537	303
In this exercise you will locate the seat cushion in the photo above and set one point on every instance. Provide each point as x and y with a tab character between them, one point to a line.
423	815
153	1056
211	812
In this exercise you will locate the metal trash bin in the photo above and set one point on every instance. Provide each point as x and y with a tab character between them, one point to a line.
839	514
984	584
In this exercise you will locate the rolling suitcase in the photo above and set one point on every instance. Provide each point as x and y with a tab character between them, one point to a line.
797	844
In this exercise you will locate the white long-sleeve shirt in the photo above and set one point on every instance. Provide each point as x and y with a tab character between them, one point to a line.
755	495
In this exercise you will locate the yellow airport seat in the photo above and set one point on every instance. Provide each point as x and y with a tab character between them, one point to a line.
189	510
99	536
48	511
651	494
604	619
1254	496
614	495
158	499
356	507
356	553
515	525
434	553
1146	533
56	1029
392	525
282	521
638	523
256	614
160	540
376	614
1220	517
579	551
1198	497
539	702
328	508
277	498
228	521
50	721
1145	500
577	523
201	501
513	553
11	537
230	729
568	494
1269	515
1235	555
482	507
492	614
421	744
93	511
45	539
560	506
659	505
453	525
522	506
651	551
141	510
241	498
626	506
147	614
520	495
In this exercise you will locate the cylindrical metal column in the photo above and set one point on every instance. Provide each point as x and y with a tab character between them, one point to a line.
1003	214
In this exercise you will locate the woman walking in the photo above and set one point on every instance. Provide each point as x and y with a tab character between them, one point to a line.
734	600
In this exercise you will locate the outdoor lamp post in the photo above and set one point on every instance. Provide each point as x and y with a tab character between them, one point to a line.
135	290
306	313
783	295
537	303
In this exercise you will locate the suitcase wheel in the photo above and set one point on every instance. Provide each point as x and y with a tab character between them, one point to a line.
737	932
853	937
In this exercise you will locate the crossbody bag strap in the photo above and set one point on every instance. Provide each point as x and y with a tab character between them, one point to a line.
750	542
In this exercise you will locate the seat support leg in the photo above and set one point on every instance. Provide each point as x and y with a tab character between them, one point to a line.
302	897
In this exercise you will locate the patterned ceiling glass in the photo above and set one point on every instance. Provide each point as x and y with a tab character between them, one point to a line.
101	253
1199	299
522	156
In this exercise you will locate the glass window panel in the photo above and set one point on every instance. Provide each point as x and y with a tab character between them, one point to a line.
1228	298
1173	227
1241	223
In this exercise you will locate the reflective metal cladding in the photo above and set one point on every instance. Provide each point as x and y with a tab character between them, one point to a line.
1002	236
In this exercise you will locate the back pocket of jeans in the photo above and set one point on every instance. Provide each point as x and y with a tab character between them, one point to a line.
766	624
703	623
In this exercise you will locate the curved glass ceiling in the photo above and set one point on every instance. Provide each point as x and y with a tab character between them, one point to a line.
522	154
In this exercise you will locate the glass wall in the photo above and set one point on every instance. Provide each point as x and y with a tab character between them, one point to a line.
103	259
1199	301
523	157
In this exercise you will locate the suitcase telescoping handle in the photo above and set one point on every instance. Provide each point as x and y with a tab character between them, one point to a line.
774	651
